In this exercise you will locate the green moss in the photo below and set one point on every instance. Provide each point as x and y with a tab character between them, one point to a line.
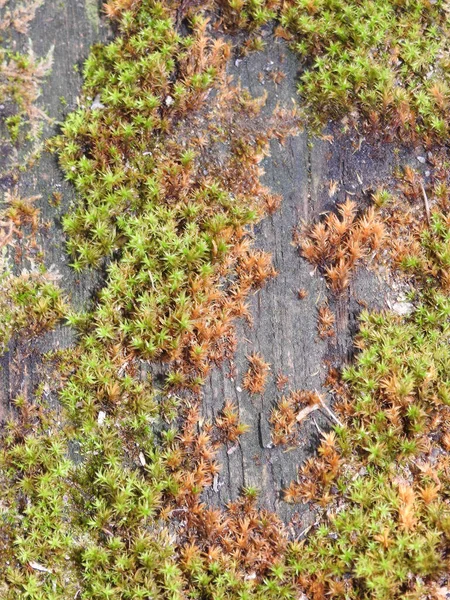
125	520
13	123
386	61
248	14
29	304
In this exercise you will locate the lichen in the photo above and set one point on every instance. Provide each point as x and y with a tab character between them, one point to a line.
92	14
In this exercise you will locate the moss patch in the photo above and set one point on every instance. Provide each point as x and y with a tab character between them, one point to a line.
29	304
167	191
385	61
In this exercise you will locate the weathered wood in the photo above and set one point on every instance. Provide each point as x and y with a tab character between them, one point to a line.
285	327
70	28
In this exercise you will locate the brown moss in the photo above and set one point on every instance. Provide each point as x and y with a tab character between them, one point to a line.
339	243
325	321
256	376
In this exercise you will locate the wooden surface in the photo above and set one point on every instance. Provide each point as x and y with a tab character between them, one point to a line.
285	327
67	29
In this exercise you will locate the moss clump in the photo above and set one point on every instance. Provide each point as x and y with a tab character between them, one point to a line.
428	258
389	523
380	62
338	244
21	77
29	304
385	61
384	477
13	123
247	14
18	16
154	193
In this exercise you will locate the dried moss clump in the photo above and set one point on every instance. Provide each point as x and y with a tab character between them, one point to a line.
338	244
289	412
256	376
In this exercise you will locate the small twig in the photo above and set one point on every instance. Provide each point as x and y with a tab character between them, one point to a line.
305	412
329	411
317	427
305	531
425	200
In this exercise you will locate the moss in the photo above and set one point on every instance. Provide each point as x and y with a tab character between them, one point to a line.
382	477
29	305
21	78
13	123
18	17
172	226
384	60
165	196
378	63
248	14
392	526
